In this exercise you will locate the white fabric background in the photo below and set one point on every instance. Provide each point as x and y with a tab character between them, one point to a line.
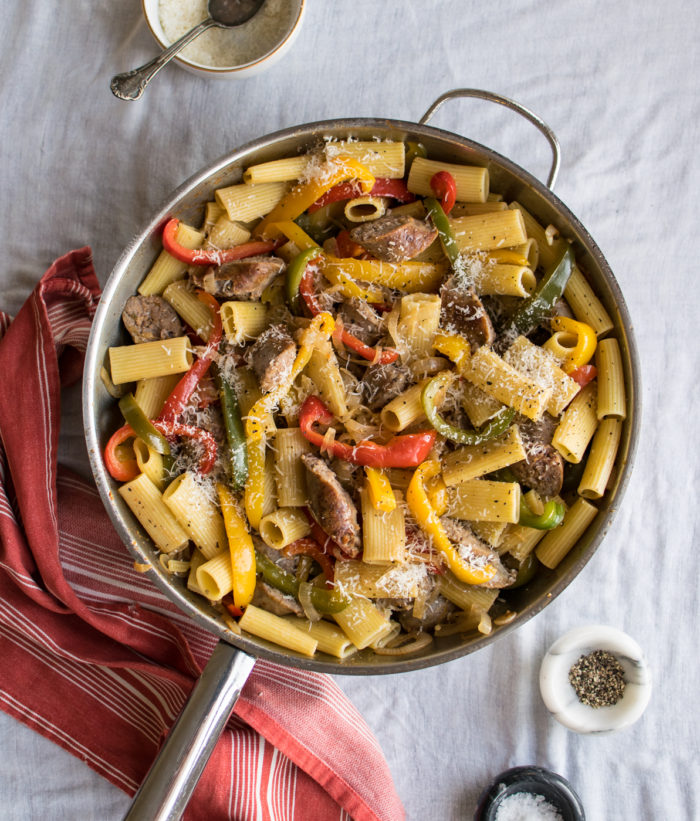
618	82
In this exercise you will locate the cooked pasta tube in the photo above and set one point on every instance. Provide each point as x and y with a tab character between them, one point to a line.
558	542
489	532
290	475
471	209
577	425
285	170
150	462
406	276
273	628
611	382
374	581
419	318
284	526
146	503
488	371
383	531
227	234
538	364
196	561
530	250
472	181
193	311
585	304
330	637
393	630
466	596
362	622
487	232
382	159
505	280
150	394
212	212
243	321
244	203
197	514
129	363
484	500
215	577
365	209
601	459
404	410
480	407
549	252
323	369
520	541
167	269
472	461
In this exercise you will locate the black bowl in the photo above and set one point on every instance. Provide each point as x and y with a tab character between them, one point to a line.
536	780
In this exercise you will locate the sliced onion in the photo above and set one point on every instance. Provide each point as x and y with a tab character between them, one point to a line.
428	366
406	644
310	611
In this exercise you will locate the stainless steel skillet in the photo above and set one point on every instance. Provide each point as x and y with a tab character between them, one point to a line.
170	782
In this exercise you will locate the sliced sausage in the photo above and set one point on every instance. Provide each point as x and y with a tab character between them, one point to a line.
436	612
243	279
382	383
463	312
361	320
475	552
275	601
331	504
394	239
150	318
543	468
272	356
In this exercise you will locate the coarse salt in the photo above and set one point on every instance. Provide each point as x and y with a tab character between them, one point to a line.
527	806
220	47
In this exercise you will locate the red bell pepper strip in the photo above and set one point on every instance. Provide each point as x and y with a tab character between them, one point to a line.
308	294
233	609
383	187
309	547
407	451
445	188
345	247
584	374
123	470
325	540
172	429
210	256
178	399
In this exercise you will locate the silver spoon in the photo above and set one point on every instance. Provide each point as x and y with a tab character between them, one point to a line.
222	13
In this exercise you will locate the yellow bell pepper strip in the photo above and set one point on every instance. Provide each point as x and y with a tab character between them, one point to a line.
429	522
331	268
437	495
586	341
454	347
142	426
505	256
495	427
320	329
551	516
383	187
243	567
444	229
539	306
381	494
302	196
210	256
293	232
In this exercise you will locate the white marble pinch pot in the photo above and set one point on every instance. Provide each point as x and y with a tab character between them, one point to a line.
560	698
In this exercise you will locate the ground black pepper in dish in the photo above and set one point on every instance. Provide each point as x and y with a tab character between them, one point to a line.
598	679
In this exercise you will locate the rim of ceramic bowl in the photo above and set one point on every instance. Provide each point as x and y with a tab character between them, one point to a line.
158	36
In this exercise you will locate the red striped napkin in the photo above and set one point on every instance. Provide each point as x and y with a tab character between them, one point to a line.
97	660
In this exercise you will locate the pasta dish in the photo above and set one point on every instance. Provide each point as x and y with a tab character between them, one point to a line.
364	398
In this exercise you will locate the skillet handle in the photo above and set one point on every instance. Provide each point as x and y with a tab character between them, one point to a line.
169	783
508	103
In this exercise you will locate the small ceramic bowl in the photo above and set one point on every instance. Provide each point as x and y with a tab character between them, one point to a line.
536	781
271	40
560	698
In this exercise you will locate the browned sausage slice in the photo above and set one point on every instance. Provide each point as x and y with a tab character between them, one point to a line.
394	239
543	469
150	318
361	320
243	279
463	312
382	383
272	356
331	504
474	551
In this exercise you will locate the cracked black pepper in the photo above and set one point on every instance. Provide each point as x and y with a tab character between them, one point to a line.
598	679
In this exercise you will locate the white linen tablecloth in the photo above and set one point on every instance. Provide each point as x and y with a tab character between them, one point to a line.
618	82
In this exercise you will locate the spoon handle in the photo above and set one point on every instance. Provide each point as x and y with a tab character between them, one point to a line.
131	84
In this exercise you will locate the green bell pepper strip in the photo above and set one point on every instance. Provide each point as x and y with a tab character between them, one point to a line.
550	518
414	150
445	232
141	425
325	601
235	433
539	306
295	272
496	426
